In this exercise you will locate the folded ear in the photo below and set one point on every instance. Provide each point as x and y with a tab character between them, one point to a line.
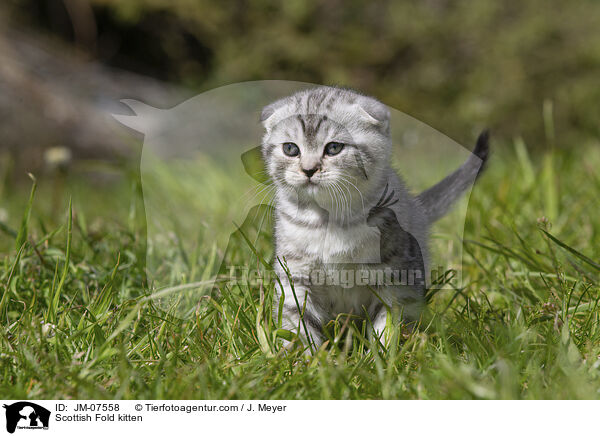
267	112
374	112
267	117
144	119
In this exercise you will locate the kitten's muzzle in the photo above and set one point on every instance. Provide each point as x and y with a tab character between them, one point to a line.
309	172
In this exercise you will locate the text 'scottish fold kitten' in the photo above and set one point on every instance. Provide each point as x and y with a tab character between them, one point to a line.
349	237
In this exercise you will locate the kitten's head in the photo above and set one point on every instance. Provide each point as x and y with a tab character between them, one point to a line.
325	141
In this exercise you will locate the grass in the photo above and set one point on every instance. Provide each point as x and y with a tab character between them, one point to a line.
79	319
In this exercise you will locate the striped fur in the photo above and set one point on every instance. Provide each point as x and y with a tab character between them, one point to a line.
353	216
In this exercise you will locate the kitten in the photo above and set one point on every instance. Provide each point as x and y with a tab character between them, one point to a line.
349	238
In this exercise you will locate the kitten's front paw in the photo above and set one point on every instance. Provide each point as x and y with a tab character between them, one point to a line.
380	332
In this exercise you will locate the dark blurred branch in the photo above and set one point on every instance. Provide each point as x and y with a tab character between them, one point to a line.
51	95
83	21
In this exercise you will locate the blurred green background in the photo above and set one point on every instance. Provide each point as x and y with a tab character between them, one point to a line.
458	66
526	70
526	324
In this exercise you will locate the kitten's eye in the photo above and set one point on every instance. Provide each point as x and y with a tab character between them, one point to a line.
291	149
333	148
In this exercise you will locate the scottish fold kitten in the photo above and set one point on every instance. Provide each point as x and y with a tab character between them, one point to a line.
349	237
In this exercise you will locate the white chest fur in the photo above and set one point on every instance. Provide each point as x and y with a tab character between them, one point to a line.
358	243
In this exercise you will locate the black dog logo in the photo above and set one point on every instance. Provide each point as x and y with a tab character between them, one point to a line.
30	413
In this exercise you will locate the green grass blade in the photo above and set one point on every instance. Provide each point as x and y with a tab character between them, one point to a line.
574	252
22	235
56	295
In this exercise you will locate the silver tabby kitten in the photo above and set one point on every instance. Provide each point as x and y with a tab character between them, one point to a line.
342	212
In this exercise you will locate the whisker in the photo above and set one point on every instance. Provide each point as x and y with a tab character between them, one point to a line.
344	200
344	177
258	191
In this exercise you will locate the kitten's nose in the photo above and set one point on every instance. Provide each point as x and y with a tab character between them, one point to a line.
309	172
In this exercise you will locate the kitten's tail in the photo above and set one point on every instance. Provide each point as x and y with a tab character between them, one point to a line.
440	197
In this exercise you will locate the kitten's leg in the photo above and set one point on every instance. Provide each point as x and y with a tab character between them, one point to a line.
407	307
379	324
307	326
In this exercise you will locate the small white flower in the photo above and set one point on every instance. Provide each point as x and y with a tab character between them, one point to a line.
57	157
48	329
